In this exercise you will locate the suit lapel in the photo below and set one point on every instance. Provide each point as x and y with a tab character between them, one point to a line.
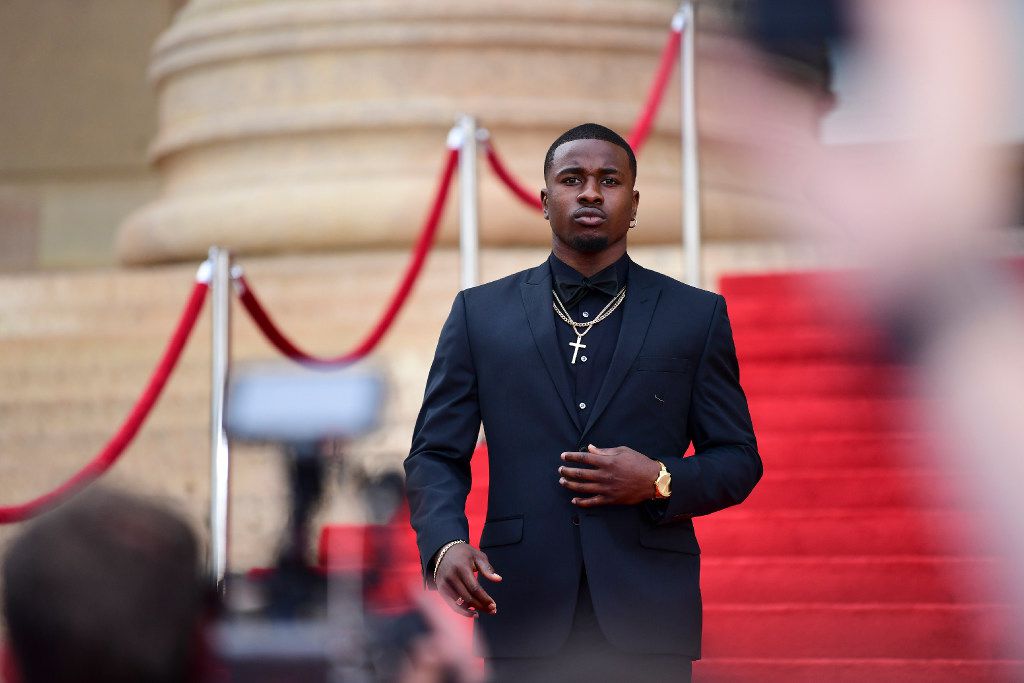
637	311
536	291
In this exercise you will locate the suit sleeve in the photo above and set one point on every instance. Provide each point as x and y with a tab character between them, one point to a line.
726	464
437	469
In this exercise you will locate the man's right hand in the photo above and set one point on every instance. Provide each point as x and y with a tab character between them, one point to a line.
458	585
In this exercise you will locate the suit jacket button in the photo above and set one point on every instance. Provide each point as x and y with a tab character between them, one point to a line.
575	519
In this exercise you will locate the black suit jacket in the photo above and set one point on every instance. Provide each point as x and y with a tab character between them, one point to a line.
673	379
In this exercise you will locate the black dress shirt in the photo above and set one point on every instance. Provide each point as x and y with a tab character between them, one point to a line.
592	362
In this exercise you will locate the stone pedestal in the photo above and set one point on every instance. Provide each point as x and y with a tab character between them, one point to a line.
298	125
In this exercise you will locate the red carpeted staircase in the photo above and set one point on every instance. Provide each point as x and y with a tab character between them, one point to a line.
853	559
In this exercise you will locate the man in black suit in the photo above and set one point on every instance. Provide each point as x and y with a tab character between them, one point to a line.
591	376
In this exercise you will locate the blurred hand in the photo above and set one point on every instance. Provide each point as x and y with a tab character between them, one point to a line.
445	653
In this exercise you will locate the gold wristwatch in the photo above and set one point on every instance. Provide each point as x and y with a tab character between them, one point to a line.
663	484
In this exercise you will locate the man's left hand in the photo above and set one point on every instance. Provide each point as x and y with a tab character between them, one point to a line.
620	476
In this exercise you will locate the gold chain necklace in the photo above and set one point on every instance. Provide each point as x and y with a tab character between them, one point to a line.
563	313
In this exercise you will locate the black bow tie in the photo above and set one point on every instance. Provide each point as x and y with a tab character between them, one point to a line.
572	292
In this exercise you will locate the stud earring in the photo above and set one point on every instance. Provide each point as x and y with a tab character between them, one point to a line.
632	223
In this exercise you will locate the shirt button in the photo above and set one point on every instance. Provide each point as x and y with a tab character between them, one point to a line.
583	406
585	314
583	358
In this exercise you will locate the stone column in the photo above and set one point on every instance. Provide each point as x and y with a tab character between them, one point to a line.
304	125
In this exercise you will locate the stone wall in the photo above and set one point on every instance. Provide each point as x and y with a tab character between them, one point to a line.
76	118
303	125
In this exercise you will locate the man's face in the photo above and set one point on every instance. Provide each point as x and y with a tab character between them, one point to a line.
589	199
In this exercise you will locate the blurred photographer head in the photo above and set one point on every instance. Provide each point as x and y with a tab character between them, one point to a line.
106	588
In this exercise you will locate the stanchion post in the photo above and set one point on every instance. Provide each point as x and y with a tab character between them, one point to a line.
684	20
220	460
469	203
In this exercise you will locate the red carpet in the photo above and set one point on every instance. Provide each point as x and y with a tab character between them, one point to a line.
850	561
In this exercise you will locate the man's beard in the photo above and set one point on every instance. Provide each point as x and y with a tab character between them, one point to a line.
589	244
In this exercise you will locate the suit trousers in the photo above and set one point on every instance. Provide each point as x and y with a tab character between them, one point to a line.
588	657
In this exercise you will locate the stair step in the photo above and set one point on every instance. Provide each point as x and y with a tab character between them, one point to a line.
836	670
917	630
850	414
806	344
814	489
779	312
842	449
738	532
895	579
808	285
763	581
770	378
844	533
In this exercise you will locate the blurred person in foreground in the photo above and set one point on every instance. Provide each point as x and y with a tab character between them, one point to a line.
923	213
591	376
104	589
444	653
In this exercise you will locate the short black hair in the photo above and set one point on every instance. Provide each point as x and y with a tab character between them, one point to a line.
589	131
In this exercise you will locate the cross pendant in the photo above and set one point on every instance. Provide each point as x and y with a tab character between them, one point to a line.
578	346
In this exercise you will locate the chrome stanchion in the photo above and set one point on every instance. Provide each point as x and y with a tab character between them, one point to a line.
220	460
684	20
469	203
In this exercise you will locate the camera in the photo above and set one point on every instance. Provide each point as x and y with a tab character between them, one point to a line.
295	621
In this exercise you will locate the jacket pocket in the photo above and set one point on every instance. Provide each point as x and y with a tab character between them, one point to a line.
661	364
667	538
502	531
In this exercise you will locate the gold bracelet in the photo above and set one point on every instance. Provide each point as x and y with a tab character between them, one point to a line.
440	556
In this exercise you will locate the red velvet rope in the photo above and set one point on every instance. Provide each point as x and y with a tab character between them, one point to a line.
426	239
641	128
129	428
517	188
